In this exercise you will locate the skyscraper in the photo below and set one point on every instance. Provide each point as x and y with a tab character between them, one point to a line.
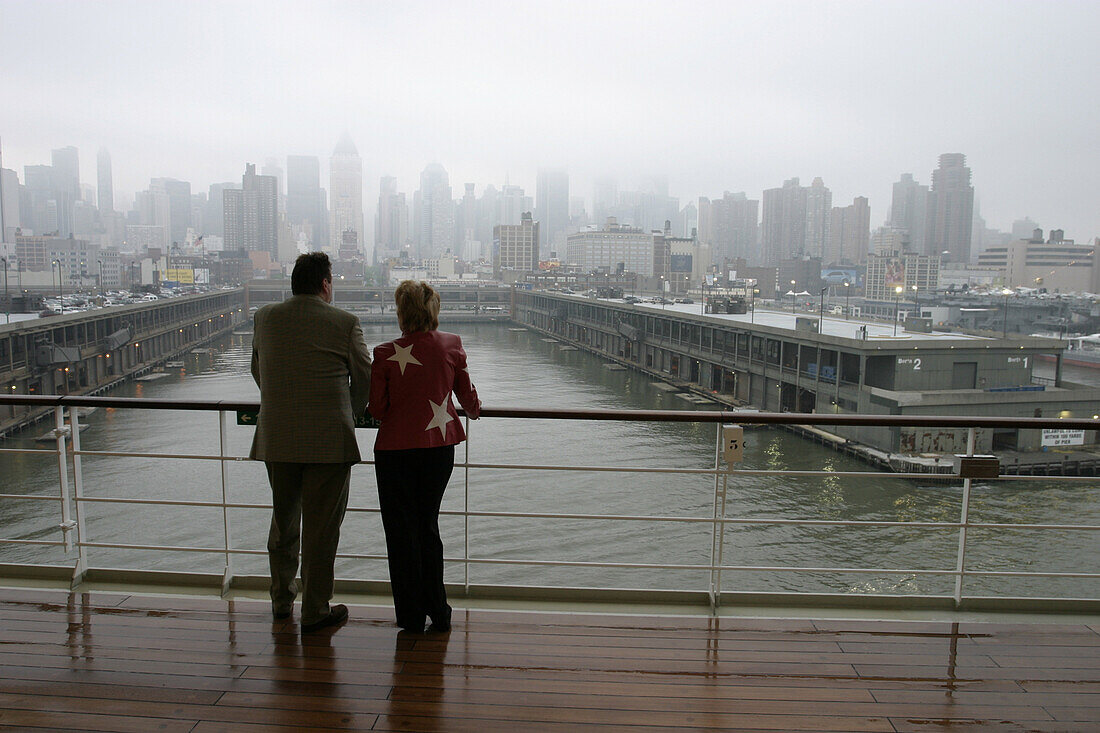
909	211
951	204
819	202
849	234
391	223
552	209
179	206
346	191
434	213
251	214
729	226
106	183
783	222
305	209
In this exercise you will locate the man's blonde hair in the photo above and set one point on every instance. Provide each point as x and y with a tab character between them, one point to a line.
417	306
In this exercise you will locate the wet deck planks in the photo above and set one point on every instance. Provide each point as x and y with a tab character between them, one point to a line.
118	662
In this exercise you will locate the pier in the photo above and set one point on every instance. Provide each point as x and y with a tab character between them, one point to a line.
88	352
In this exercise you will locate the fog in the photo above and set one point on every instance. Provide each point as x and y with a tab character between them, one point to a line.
714	95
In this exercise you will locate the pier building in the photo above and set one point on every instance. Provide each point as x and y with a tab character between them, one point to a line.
88	351
786	362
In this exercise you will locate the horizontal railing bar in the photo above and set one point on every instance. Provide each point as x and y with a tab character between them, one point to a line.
1022	574
755	418
614	517
32	497
44	451
52	543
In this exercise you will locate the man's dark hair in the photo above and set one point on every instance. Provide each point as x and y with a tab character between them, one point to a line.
310	272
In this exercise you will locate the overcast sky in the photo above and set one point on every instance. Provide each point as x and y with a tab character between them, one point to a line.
716	95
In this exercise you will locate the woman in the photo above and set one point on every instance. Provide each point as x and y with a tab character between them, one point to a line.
411	383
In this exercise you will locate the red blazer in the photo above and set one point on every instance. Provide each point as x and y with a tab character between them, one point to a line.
410	391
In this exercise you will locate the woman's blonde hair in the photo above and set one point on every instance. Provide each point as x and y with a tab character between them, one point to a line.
417	306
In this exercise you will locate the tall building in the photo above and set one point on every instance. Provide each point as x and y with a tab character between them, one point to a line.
465	220
346	192
951	202
10	218
849	233
214	217
179	207
516	246
391	223
512	205
729	226
909	211
783	224
66	186
605	197
251	214
272	168
105	181
434	213
552	208
305	209
819	203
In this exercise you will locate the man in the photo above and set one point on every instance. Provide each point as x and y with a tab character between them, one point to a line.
313	369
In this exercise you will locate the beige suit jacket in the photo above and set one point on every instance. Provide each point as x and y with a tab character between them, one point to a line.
313	369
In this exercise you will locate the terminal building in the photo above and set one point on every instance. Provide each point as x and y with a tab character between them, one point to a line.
784	362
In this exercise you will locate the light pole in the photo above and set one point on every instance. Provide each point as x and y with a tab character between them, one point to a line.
131	277
897	304
793	296
821	310
7	301
99	277
847	292
752	304
60	285
1004	333
662	292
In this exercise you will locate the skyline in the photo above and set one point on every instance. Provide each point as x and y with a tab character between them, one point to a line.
743	102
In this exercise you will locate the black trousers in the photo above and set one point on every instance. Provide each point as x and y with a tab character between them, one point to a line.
410	488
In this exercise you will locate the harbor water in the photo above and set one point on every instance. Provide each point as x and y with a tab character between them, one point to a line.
519	368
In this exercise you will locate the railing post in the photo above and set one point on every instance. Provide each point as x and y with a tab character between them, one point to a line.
466	513
718	534
81	567
223	452
964	519
59	431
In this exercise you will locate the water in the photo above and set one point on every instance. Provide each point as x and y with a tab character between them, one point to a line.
512	368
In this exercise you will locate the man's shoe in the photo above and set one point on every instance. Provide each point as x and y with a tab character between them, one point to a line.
280	615
441	621
337	615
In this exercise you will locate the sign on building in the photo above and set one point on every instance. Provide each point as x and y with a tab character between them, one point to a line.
1063	437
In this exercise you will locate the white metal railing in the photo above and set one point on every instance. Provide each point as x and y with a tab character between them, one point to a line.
73	501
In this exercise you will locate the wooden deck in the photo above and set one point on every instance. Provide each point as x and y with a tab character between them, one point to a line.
117	662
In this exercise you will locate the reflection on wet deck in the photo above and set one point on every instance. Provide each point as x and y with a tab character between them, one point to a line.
104	661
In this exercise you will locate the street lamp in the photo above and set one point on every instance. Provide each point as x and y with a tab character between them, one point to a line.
60	285
131	277
662	292
821	310
847	292
1004	334
99	278
897	304
793	296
